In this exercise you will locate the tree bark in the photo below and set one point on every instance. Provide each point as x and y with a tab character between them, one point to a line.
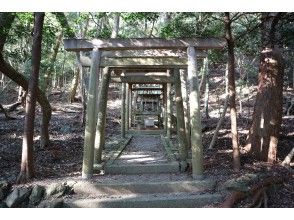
27	160
232	91
263	136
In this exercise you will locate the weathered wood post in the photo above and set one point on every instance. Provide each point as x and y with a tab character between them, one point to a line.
130	106
123	111
164	98
181	131
102	106
88	155
185	95
127	105
196	133
168	107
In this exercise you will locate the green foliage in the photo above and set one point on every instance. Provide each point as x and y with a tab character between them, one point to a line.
135	17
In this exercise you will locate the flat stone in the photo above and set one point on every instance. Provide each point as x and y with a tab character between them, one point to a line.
18	196
186	200
143	188
55	203
170	167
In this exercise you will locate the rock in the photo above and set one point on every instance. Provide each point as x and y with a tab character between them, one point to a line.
37	195
57	190
3	205
55	203
4	189
241	183
18	197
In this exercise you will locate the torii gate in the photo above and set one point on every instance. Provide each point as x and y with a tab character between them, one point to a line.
138	53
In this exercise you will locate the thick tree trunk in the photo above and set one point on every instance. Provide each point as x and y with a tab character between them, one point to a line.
232	92
27	160
264	132
267	116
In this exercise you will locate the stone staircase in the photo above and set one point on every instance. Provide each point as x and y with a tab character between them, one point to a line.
151	194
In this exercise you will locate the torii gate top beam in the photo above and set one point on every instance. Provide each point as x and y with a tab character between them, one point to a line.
143	43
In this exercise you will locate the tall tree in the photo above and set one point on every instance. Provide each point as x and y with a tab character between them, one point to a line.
115	29
232	90
267	116
27	162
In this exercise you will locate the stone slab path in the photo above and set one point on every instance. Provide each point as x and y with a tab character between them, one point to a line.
143	149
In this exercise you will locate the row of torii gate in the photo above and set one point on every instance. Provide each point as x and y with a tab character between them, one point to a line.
141	61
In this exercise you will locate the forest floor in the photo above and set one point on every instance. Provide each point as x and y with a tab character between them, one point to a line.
63	159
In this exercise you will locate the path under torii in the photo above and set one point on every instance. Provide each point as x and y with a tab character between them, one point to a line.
127	56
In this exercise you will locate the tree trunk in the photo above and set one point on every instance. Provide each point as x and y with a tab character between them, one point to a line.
115	29
6	20
222	117
49	70
74	85
267	116
27	160
232	91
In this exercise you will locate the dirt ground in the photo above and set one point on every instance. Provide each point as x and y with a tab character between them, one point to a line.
63	159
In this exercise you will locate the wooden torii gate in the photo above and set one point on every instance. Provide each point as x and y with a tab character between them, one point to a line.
142	53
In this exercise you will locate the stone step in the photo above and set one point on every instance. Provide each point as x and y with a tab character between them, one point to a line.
179	200
87	188
171	167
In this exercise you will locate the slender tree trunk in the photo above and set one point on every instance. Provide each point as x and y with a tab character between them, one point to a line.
74	85
27	160
232	91
115	29
222	117
49	71
267	116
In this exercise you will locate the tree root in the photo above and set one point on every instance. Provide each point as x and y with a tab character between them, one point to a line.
257	192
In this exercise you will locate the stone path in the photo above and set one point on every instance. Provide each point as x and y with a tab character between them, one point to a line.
143	149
